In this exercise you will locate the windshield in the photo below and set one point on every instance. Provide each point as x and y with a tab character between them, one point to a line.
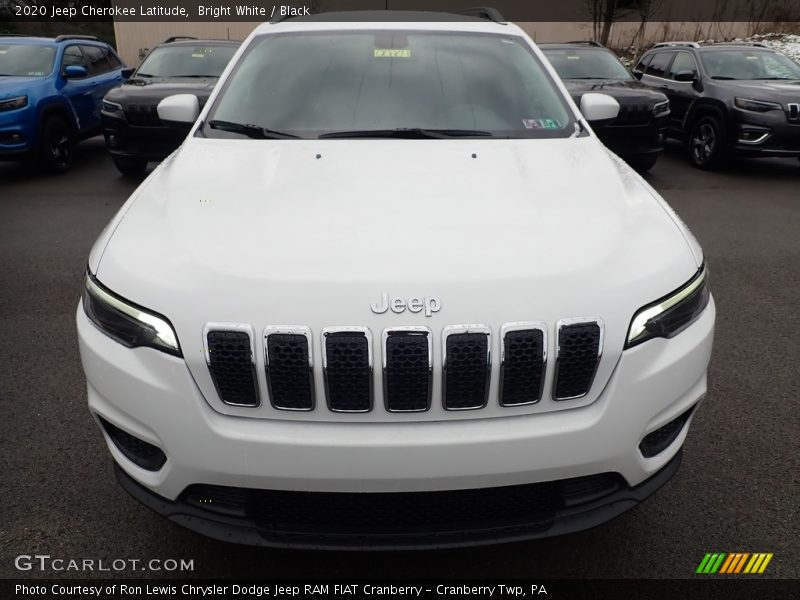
185	60
334	83
749	64
23	60
579	63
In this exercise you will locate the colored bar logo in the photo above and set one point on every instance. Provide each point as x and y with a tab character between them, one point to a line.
732	563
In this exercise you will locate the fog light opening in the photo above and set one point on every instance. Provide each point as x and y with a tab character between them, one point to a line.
657	441
141	453
753	136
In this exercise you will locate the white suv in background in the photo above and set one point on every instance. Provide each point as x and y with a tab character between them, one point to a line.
393	292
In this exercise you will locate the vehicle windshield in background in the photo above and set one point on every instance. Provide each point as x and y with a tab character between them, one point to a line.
378	83
572	63
186	61
21	60
744	64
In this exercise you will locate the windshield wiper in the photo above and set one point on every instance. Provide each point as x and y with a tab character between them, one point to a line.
196	76
725	78
251	131
145	75
413	133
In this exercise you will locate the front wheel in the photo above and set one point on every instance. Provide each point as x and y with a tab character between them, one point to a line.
56	145
706	143
131	167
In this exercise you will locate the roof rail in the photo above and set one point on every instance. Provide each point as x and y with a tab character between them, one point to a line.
486	13
64	38
175	38
667	44
593	43
740	43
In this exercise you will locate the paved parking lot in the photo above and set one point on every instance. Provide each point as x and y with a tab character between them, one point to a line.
738	488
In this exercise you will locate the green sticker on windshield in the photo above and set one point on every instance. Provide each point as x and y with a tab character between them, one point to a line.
541	124
392	53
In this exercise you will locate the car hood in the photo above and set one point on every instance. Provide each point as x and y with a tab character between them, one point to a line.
11	87
312	232
630	91
788	91
141	91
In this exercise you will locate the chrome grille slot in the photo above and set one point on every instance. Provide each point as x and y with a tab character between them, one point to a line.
522	363
579	346
289	367
466	366
407	369
231	362
347	368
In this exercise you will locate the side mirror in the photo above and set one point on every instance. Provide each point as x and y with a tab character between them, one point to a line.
127	72
599	107
180	108
637	73
686	76
75	72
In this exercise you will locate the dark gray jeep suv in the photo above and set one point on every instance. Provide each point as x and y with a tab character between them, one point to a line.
727	99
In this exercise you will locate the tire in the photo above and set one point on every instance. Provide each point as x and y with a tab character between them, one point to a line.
706	143
130	167
56	145
644	163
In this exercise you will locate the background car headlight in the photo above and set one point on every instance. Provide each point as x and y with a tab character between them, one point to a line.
661	108
125	322
14	103
672	314
111	106
756	105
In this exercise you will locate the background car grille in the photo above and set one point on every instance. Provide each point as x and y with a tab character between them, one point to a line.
407	359
348	371
634	114
142	115
230	361
578	356
289	374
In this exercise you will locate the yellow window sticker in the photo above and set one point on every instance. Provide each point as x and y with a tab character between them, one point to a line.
392	53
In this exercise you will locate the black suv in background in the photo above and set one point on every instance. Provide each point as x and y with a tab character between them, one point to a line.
727	99
637	134
134	134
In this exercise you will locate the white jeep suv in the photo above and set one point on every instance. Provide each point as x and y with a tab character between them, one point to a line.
393	292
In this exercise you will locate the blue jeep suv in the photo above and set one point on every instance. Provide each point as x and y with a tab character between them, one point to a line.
51	93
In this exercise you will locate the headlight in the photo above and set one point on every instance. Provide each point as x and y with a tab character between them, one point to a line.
125	322
661	108
13	103
756	105
111	106
672	314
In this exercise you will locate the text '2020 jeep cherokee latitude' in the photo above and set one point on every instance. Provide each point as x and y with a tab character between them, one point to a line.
393	292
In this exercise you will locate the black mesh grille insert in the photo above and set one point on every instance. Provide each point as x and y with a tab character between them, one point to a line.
348	374
404	512
142	115
407	371
467	370
634	114
523	367
288	371
141	453
657	441
578	350
231	366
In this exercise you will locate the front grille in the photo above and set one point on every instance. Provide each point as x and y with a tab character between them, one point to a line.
403	512
407	369
466	367
633	114
347	354
231	363
522	364
142	115
289	368
579	345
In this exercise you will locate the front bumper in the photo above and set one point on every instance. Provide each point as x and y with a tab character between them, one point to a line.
16	129
154	397
771	134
